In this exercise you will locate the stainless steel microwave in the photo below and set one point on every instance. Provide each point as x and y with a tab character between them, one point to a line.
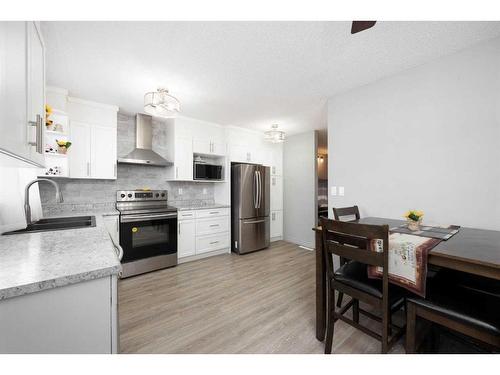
205	171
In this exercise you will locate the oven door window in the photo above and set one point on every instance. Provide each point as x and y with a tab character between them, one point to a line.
145	239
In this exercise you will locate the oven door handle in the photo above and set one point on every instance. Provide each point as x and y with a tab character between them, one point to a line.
132	218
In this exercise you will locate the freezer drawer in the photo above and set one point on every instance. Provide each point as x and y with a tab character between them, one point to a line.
251	235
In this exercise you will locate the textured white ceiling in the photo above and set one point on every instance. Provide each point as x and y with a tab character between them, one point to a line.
247	74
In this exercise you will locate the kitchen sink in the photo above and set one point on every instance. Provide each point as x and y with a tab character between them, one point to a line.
57	223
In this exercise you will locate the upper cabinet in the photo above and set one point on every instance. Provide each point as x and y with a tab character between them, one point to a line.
93	135
22	91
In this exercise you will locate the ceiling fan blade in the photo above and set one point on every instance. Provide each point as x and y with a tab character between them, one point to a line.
358	26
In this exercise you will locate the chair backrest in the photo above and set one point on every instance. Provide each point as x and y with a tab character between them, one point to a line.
346	211
354	241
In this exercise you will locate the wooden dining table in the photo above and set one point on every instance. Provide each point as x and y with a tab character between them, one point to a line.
474	251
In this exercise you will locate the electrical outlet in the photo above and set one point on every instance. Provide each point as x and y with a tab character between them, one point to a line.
180	191
334	190
341	191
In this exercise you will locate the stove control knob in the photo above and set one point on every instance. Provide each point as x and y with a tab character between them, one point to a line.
163	195
157	195
129	195
122	195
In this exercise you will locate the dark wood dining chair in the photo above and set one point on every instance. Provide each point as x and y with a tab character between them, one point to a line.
460	303
339	212
352	241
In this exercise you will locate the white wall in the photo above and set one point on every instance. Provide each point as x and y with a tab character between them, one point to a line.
299	188
13	179
427	138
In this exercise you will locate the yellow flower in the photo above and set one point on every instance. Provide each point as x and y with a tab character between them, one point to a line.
48	109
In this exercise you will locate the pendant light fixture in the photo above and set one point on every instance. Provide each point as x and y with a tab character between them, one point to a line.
274	135
161	103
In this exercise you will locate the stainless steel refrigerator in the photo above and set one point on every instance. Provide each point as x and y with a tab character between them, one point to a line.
250	225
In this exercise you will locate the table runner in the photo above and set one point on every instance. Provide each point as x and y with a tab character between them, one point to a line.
407	260
439	232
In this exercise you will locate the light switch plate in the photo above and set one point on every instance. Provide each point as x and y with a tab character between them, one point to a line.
334	190
341	191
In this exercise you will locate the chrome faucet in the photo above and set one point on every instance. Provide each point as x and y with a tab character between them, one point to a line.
27	208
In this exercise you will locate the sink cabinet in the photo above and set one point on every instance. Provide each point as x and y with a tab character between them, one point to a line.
78	318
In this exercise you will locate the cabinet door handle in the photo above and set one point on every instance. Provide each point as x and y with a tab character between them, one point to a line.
115	170
214	212
176	172
88	169
214	242
213	225
39	134
179	228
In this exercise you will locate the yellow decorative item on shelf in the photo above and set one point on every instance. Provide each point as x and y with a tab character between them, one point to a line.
63	146
48	112
414	219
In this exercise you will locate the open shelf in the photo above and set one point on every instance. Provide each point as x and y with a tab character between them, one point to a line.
56	155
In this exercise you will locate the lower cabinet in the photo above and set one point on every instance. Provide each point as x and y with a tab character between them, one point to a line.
202	231
186	240
276	225
77	319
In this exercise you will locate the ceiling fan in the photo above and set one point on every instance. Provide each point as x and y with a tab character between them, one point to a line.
358	26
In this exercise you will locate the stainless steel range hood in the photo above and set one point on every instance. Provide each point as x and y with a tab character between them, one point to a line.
143	153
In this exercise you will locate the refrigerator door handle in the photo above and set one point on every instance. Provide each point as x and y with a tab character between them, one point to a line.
255	189
260	189
254	222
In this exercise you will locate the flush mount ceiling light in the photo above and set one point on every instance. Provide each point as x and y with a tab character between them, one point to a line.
274	135
161	103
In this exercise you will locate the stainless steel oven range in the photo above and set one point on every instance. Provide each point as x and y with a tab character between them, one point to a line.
148	231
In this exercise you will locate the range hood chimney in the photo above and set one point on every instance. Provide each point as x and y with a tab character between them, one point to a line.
143	153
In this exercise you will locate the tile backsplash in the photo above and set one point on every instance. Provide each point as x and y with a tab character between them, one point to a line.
89	194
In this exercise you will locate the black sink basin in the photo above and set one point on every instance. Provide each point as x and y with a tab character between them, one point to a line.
57	223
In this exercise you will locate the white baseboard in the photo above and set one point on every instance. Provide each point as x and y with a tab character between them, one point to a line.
204	255
278	238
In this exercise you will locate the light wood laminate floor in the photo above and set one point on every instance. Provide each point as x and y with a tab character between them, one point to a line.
261	302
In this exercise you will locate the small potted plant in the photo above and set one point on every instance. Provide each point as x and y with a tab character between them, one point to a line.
414	219
62	146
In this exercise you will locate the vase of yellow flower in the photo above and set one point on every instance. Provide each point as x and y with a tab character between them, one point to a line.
414	219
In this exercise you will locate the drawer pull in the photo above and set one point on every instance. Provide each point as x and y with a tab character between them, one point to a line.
214	212
214	225
214	242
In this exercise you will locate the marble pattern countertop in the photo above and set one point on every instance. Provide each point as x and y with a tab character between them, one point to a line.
188	207
34	262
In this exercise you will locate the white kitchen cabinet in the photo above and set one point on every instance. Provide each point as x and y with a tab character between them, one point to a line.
202	232
276	193
276	224
277	160
209	146
186	238
22	91
183	159
245	154
103	152
78	318
206	244
93	134
79	152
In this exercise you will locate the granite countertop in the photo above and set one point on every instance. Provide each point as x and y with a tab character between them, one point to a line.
34	262
189	207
